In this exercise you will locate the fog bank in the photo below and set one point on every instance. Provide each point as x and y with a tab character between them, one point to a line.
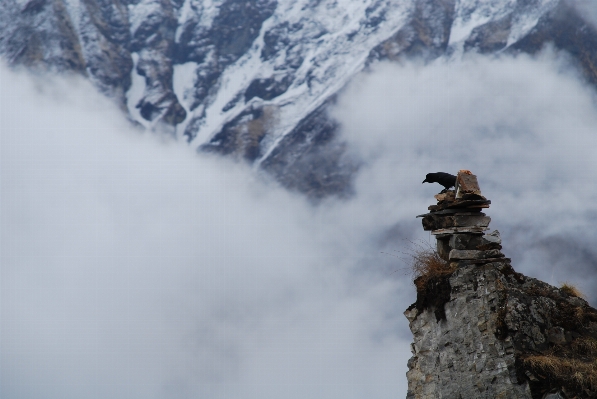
134	268
525	126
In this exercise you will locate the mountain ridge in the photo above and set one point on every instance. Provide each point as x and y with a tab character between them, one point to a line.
254	80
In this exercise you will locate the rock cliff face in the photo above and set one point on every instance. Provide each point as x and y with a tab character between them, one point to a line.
254	79
485	331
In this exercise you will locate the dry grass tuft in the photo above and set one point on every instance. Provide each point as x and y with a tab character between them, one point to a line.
427	264
586	346
431	277
570	371
571	290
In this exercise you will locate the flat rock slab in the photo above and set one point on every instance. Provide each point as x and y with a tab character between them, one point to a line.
435	222
466	254
464	241
463	212
461	254
456	230
471	241
460	203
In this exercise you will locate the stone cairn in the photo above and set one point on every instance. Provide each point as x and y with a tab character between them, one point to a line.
482	330
459	225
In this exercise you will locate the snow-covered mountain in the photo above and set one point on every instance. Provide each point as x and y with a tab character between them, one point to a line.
253	79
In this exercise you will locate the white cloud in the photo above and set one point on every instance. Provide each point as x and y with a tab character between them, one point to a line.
131	267
525	126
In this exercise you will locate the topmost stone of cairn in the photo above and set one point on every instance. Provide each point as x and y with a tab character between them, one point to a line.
460	226
467	196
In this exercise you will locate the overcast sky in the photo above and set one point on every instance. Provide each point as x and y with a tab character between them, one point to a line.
133	268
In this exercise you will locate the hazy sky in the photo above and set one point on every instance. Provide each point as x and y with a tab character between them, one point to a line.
133	268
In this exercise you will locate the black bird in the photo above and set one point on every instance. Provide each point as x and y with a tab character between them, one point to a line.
445	179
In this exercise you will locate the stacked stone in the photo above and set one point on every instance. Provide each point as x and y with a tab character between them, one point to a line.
459	225
460	356
496	321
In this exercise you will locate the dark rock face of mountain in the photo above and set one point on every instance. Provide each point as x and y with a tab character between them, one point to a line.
564	27
40	31
312	148
254	79
215	47
427	34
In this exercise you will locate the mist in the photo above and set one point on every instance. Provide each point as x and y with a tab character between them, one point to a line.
587	9
134	268
524	125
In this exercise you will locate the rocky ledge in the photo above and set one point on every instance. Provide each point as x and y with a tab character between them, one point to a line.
485	331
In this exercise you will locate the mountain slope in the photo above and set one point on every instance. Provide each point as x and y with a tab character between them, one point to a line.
253	80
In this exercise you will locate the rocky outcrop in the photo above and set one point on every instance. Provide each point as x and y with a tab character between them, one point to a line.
496	333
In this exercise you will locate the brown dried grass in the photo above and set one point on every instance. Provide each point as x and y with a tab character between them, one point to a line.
426	264
571	371
571	290
586	346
